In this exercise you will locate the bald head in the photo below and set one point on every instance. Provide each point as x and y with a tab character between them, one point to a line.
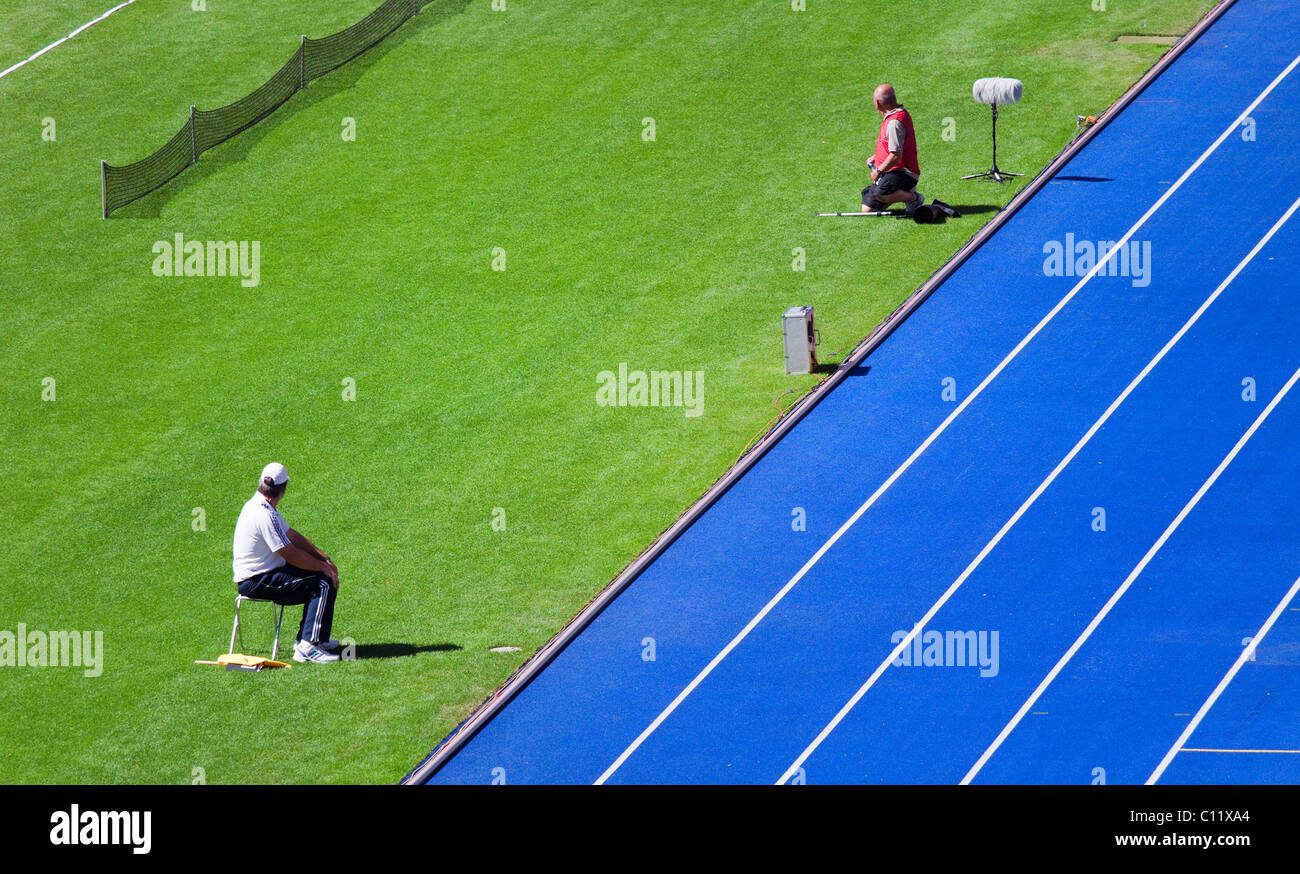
884	97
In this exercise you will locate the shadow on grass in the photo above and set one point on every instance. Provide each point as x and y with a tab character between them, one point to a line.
975	209
400	650
828	367
238	147
969	209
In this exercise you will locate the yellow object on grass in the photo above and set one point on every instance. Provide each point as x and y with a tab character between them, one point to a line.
248	661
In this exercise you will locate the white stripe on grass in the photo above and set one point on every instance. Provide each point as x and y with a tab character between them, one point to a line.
59	42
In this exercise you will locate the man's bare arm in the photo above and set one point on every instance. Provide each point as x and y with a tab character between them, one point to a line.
298	539
308	562
895	135
890	162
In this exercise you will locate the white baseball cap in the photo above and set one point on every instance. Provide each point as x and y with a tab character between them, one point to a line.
275	470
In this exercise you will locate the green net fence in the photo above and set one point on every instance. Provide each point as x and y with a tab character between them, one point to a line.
121	185
323	55
207	128
215	126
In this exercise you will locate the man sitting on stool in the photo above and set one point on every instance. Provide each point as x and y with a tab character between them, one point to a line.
894	169
275	563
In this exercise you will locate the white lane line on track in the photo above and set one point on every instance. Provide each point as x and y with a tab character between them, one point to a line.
1246	655
943	426
1119	593
59	42
1213	750
1029	502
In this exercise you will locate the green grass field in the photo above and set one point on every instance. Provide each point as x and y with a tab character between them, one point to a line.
474	388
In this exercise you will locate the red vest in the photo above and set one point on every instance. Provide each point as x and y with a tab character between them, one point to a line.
908	157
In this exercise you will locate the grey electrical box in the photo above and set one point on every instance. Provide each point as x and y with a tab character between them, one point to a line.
800	340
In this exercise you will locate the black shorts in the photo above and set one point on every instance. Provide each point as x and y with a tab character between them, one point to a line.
887	183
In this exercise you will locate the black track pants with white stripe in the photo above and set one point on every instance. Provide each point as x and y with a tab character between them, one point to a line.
293	585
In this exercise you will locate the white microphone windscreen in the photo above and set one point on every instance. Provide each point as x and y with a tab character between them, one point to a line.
997	90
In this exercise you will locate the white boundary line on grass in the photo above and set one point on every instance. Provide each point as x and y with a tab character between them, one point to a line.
1124	587
1246	655
1029	502
943	426
59	42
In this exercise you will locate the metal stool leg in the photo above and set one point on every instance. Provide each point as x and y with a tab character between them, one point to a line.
239	599
279	618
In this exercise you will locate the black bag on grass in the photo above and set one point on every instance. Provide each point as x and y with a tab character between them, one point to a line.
933	213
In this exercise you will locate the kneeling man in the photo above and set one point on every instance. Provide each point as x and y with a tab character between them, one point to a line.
894	168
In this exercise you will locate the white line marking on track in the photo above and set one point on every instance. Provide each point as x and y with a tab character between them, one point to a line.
1246	655
943	426
1119	593
1029	502
59	42
1211	750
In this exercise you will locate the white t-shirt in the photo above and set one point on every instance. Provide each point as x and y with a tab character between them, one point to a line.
259	532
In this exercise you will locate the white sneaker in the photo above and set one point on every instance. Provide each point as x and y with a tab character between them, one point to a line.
331	645
306	651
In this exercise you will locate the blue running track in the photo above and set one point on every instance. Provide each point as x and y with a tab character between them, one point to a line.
1050	524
